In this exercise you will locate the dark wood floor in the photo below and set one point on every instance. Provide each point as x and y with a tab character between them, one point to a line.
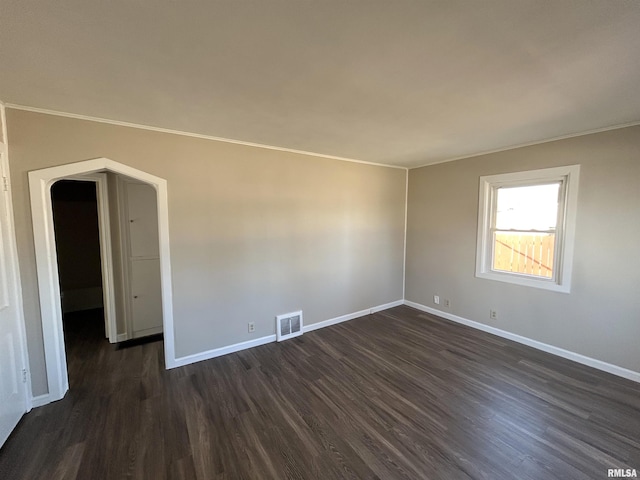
395	395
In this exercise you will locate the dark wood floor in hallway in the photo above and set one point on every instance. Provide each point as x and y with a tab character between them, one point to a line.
395	395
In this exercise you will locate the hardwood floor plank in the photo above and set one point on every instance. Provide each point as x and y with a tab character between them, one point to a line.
67	468
399	394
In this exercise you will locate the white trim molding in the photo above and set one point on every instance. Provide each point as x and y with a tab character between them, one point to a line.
527	144
58	113
40	182
40	400
560	352
350	316
236	347
567	177
386	306
194	135
218	352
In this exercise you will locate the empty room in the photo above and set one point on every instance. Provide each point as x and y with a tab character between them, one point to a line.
320	239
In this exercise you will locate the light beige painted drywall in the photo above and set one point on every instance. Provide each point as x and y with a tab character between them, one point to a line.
600	318
253	232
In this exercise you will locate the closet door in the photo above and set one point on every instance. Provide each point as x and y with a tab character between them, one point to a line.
144	260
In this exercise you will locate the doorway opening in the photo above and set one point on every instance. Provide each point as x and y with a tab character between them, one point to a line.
80	270
91	285
49	282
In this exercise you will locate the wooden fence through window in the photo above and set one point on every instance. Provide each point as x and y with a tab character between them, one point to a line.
524	253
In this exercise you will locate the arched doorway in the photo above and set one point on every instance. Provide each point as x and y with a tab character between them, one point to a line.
40	182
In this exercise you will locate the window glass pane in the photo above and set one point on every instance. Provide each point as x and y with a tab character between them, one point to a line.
526	253
533	207
526	227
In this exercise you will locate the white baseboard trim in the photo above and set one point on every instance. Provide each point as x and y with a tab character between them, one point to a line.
576	357
217	352
122	337
40	400
146	332
387	306
350	316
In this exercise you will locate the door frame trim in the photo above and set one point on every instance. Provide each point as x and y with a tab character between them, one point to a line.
40	182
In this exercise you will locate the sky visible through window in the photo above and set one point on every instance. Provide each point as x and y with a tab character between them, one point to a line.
533	207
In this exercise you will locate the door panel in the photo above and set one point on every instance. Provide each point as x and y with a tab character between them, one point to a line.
144	260
4	300
147	297
12	388
143	220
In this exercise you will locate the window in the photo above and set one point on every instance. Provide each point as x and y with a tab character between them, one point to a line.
526	224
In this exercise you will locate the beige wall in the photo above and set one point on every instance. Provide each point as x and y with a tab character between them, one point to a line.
600	318
254	232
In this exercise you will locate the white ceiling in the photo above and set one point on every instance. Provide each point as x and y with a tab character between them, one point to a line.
395	82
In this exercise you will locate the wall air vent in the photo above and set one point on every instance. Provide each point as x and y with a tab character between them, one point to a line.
288	325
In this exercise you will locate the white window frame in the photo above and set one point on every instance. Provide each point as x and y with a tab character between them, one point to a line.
565	229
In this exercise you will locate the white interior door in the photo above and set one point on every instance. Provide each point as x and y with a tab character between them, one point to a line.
143	220
147	297
13	394
144	260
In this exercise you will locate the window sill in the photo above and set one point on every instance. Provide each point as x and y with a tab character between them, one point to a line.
525	281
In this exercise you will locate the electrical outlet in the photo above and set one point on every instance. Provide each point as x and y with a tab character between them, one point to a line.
252	327
436	299
493	315
447	303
